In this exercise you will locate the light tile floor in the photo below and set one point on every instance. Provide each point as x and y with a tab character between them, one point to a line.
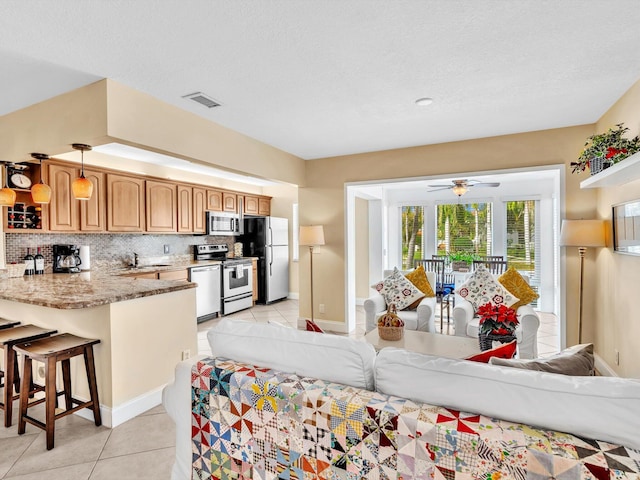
143	448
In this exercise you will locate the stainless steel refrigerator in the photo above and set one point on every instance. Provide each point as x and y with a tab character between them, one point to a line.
268	239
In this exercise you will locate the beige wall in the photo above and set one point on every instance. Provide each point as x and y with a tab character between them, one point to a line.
322	200
362	248
616	323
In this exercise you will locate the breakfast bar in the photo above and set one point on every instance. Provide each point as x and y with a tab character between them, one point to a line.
145	327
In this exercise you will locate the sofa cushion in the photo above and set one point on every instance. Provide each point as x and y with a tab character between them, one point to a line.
576	360
481	287
397	289
330	357
604	408
504	350
518	287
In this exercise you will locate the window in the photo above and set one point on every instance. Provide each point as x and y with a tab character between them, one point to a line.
464	228
412	247
523	244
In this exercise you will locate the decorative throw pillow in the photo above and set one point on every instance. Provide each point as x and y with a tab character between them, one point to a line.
506	350
397	289
517	286
313	327
576	361
419	278
481	288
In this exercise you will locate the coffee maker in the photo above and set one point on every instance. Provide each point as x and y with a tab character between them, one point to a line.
66	259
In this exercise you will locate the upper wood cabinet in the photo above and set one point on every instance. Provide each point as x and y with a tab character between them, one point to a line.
264	206
93	211
229	202
250	205
199	208
64	215
185	208
214	200
161	206
125	203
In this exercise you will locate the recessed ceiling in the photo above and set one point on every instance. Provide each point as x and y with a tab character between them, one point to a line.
328	78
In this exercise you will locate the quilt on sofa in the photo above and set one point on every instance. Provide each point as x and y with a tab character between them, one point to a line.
253	423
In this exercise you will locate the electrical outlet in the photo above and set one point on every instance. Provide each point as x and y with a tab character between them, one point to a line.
617	357
167	249
321	308
186	354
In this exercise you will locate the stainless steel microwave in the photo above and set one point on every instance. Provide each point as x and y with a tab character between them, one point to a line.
224	223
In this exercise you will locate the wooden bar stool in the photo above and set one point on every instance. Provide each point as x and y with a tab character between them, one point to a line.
57	348
8	338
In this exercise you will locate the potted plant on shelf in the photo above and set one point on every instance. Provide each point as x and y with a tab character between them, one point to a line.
497	322
460	261
605	149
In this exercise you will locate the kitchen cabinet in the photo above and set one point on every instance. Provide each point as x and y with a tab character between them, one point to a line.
93	211
185	208
254	261
64	215
174	275
161	206
250	205
214	200
199	208
146	276
229	202
25	216
264	206
125	203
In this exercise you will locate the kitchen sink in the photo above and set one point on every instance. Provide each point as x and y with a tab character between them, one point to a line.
160	265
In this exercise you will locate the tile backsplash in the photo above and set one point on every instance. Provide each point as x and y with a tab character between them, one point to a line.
109	251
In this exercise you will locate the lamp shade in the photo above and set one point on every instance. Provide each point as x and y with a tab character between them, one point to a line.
82	188
7	197
582	233
311	235
41	193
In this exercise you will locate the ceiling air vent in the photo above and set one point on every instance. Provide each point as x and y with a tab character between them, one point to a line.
202	99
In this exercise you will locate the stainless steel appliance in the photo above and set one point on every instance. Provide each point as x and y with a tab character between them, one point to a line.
268	239
236	290
224	223
208	291
66	259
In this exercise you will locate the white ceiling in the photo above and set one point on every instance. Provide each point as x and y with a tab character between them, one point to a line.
328	77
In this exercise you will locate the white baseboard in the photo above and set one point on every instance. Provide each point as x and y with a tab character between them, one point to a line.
603	367
293	296
112	417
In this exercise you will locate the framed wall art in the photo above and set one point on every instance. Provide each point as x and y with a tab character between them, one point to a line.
626	227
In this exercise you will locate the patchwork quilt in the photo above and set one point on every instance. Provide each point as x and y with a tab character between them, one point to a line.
256	423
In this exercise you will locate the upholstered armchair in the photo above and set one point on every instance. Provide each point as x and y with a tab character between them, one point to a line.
467	324
422	318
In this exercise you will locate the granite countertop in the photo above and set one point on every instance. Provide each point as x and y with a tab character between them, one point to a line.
84	290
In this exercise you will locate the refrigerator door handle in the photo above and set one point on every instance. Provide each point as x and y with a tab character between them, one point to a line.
271	260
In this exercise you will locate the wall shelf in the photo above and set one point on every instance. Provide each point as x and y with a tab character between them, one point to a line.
622	172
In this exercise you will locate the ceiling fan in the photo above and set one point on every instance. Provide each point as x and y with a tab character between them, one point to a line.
460	187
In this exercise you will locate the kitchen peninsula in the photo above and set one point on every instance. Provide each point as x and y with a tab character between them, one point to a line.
144	326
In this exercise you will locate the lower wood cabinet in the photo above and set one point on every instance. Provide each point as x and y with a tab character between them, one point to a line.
125	203
174	275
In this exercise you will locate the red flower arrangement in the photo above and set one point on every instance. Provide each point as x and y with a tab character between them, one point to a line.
497	319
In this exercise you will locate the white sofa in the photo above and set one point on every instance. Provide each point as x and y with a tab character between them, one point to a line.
213	441
422	318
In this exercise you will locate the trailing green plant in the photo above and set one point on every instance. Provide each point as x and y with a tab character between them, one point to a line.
463	257
611	147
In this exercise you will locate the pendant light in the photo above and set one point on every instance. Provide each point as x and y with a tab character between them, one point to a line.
81	187
7	196
41	192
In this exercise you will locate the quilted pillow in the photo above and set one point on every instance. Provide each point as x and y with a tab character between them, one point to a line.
506	350
577	360
481	288
517	286
397	289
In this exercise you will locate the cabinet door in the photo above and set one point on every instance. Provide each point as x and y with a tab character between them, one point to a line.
229	202
214	200
125	203
264	206
185	208
250	205
199	207
63	209
92	211
161	206
174	275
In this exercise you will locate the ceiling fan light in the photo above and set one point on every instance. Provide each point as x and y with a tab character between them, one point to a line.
459	190
7	197
41	193
82	188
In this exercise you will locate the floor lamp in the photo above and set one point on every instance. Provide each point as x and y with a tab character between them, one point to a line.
311	235
582	234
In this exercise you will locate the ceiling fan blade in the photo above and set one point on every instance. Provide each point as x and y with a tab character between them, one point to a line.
442	187
484	184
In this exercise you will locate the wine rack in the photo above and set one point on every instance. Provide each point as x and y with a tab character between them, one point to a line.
21	216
